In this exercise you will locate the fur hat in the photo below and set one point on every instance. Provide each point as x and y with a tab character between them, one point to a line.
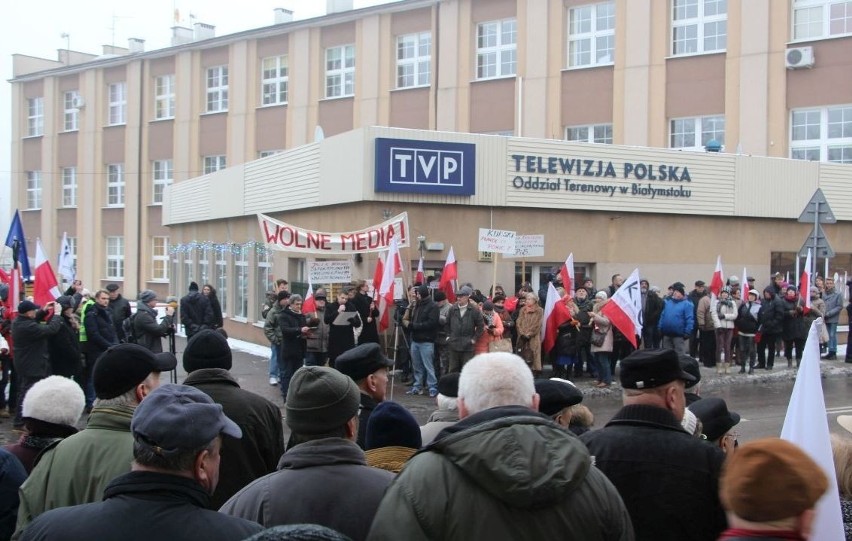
207	349
54	400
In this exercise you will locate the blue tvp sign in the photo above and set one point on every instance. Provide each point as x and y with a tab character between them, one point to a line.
427	167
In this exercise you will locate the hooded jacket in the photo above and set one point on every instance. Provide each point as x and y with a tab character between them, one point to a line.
678	317
531	478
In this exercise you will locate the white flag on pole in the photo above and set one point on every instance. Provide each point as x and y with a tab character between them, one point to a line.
66	267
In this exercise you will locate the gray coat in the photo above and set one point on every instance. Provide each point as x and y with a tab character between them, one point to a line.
325	482
148	332
463	332
833	305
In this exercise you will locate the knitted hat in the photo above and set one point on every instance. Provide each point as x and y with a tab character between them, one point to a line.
423	291
65	301
679	288
320	400
147	295
27	306
770	479
193	286
448	385
299	532
391	425
54	400
207	349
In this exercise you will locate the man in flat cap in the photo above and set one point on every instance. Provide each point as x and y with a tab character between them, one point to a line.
667	479
177	439
556	396
120	308
79	467
465	325
207	360
323	478
146	330
447	413
505	461
770	488
368	367
717	422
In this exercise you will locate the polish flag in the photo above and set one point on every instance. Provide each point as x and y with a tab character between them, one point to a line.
420	278
4	277
14	292
805	283
625	308
45	286
567	273
555	314
744	289
718	279
309	305
391	267
449	275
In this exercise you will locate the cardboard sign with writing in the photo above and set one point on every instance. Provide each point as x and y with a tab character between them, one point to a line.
528	246
330	272
496	240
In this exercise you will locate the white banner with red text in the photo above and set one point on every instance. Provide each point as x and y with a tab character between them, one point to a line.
292	238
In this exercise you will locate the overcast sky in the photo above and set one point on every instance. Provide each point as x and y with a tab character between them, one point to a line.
35	28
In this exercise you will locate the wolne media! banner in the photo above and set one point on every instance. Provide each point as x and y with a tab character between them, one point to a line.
292	238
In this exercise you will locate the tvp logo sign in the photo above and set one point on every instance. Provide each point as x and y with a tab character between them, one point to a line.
427	167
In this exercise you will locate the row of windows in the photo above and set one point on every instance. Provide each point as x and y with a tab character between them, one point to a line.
115	257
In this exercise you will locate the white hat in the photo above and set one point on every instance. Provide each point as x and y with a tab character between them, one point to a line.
601	295
54	400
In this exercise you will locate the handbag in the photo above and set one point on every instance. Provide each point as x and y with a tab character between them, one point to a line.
501	344
598	336
524	350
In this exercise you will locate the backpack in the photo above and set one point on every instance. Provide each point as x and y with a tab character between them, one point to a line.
128	327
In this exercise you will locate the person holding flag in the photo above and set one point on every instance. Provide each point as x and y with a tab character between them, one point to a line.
794	332
448	276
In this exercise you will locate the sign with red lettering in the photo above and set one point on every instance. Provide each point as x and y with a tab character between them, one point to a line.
292	238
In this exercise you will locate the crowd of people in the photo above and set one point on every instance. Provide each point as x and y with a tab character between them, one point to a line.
507	454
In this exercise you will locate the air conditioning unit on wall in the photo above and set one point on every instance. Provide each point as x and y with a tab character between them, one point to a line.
78	102
799	57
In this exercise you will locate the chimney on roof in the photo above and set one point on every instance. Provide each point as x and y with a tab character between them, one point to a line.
337	6
181	35
283	15
203	31
136	45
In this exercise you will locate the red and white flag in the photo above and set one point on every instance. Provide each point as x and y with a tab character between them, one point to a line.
391	267
744	289
45	286
555	314
377	276
567	273
625	308
420	278
309	305
805	283
14	291
449	275
718	279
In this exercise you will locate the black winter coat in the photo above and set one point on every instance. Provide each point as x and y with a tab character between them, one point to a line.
120	308
195	313
294	343
258	451
142	506
668	480
794	326
745	322
64	350
100	331
369	329
29	345
425	321
340	337
771	314
216	308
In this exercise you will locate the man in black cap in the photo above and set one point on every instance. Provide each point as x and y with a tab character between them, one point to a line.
368	367
120	308
195	312
693	388
79	467
465	325
324	478
556	396
668	480
29	343
447	413
717	422
148	333
177	439
207	359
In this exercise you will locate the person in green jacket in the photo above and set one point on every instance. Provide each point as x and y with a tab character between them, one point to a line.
504	471
78	468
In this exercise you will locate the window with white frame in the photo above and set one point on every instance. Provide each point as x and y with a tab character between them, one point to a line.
413	60
817	19
117	94
214	163
591	35
72	248
204	265
163	173
69	186
188	268
274	80
699	26
593	133
694	133
222	278
33	189
265	278
35	117
160	259
823	134
340	71
217	89
496	49
242	279
115	257
71	114
164	97
115	185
